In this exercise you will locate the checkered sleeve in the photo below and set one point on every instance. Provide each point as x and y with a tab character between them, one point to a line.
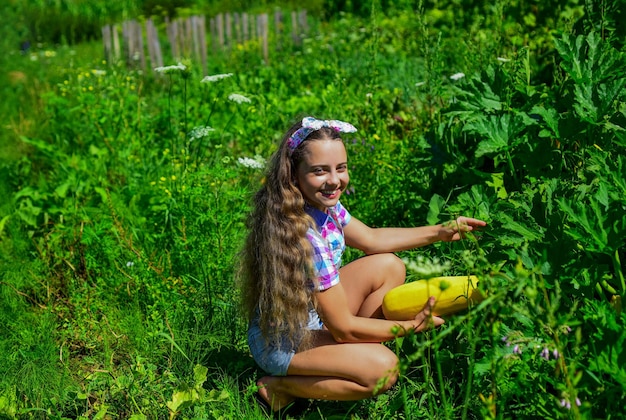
343	217
326	272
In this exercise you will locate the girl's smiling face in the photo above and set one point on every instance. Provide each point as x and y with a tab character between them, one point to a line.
323	173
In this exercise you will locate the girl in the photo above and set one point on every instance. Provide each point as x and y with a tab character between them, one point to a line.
317	327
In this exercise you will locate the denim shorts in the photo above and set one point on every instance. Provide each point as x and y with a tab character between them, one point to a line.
275	359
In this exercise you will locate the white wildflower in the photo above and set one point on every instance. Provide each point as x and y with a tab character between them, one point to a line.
240	99
170	69
418	84
255	163
215	77
199	132
457	76
129	264
503	60
426	268
98	73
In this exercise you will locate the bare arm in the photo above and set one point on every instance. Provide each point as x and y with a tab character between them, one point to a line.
346	327
379	240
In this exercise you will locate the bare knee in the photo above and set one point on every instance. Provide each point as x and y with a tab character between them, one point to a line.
383	368
394	268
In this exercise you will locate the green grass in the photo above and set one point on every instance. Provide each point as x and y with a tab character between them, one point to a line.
119	239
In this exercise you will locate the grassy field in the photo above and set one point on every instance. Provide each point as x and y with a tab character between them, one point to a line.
125	195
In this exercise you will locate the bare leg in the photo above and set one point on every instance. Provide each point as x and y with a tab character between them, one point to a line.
332	371
349	371
368	279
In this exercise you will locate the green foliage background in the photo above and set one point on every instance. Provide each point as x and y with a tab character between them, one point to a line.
121	222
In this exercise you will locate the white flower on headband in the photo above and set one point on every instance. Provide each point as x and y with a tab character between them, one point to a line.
310	124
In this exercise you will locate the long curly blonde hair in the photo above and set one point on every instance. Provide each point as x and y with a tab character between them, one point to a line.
276	276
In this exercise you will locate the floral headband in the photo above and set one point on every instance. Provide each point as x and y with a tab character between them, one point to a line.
310	124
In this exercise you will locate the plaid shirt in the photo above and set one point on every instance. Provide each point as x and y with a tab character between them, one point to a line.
328	243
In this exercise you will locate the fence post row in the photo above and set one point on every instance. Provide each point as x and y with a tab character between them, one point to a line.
188	36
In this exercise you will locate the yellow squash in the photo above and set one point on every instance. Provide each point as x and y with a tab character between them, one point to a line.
452	292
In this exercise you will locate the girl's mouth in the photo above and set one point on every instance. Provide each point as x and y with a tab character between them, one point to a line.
330	193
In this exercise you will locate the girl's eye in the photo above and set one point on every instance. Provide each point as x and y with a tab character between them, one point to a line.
342	168
318	171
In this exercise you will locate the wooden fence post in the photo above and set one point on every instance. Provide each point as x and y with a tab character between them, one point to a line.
189	27
228	30
302	21
138	32
278	22
188	36
154	46
213	31
220	30
237	24
171	29
246	27
264	23
295	36
195	44
200	41
133	42
116	42
106	41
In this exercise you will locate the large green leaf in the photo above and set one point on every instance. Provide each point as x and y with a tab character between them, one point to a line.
587	224
435	206
524	229
499	133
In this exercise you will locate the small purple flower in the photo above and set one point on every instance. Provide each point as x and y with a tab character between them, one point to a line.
517	349
565	403
555	353
545	353
578	402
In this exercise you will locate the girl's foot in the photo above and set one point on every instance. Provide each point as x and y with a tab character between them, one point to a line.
267	391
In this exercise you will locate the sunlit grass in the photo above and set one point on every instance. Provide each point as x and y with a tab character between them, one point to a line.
128	190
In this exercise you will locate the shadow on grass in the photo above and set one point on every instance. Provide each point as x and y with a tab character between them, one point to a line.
238	364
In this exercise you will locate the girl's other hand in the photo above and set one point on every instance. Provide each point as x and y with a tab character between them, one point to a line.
455	229
425	318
